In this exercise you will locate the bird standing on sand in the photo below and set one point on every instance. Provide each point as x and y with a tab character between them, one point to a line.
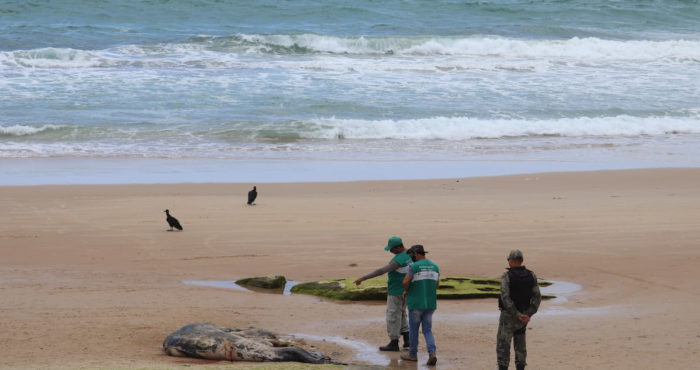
172	221
252	195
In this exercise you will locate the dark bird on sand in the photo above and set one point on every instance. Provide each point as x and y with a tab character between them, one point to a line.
172	221
252	195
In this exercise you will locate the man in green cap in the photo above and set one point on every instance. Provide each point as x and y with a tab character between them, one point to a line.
520	299
396	316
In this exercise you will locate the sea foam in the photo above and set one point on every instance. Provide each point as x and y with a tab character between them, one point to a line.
226	52
25	130
465	128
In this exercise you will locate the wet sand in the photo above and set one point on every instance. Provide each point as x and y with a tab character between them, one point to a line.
92	279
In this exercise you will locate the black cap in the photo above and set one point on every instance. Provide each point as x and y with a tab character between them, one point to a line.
417	249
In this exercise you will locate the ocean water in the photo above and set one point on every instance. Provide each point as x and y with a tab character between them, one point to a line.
321	90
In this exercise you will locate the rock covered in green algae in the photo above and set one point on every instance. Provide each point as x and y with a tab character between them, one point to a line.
375	289
343	289
265	282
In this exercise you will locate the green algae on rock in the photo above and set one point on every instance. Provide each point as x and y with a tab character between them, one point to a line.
375	289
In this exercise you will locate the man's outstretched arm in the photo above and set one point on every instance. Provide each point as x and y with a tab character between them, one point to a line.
391	266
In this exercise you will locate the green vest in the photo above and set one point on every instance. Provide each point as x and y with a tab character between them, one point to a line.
396	277
422	294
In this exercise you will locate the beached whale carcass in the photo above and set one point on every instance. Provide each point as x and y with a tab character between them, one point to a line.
209	341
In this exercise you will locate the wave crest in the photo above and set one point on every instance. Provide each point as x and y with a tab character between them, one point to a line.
51	58
465	128
226	52
22	130
588	48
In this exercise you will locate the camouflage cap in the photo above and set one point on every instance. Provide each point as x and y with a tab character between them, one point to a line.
515	254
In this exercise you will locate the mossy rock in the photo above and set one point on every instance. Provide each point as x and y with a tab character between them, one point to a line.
265	282
375	289
343	289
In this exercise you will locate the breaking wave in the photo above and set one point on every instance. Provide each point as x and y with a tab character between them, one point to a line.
465	128
229	51
26	130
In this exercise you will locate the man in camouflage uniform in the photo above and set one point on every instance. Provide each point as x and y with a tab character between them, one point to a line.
520	299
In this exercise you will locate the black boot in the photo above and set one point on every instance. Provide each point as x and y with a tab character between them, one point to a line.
392	346
519	367
405	339
501	367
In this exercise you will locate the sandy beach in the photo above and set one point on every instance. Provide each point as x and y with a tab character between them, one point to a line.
91	278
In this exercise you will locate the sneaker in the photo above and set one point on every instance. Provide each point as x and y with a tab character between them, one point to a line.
409	358
432	360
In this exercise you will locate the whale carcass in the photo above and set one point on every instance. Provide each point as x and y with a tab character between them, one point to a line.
209	341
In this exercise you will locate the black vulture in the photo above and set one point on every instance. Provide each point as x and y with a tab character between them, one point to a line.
252	195
172	221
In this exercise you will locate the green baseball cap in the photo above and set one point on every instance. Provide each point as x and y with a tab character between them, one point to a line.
394	241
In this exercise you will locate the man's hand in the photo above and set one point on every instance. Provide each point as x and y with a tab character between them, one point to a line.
524	318
358	281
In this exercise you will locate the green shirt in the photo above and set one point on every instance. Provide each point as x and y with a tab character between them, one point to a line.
422	293
396	276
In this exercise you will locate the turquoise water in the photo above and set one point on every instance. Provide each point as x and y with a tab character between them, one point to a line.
226	84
